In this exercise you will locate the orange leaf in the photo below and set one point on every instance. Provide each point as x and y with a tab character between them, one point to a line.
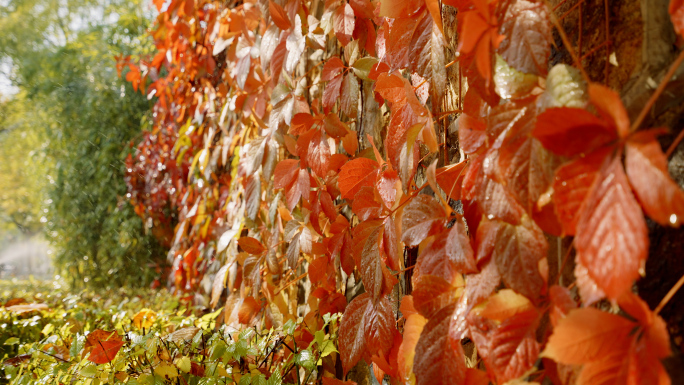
356	174
278	15
251	245
407	350
613	349
102	345
505	304
587	335
248	309
399	8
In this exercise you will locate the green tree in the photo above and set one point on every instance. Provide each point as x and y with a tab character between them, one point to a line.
65	70
23	168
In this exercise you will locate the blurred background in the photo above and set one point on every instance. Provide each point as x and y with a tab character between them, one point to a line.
67	121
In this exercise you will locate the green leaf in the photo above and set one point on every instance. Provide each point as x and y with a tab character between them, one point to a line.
245	380
363	66
305	359
12	341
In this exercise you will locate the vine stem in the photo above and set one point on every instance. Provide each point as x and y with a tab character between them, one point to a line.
566	41
565	261
658	91
290	284
669	295
674	144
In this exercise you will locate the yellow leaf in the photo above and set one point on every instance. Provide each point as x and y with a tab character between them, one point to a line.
183	364
144	319
166	370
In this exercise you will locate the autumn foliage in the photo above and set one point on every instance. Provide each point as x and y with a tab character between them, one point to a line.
304	145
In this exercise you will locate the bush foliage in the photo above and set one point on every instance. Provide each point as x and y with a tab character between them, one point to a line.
89	337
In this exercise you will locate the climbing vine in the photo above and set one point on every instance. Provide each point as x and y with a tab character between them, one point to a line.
425	152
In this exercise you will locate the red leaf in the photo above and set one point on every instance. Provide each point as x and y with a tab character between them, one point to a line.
586	286
478	29
528	37
659	195
278	15
609	105
676	10
349	95
612	239
587	335
365	206
423	216
363	8
426	55
390	244
387	186
450	179
431	294
514	348
355	174
159	4
614	350
248	309
377	280
439	360
561	303
572	131
343	22
331	93
332	68
361	233
318	153
299	189
103	346
492	198
285	173
318	269
481	285
476	377
526	167
367	328
399	8
517	252
400	32
449	255
572	184
251	245
471	133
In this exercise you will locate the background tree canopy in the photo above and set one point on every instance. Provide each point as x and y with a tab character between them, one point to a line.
66	132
